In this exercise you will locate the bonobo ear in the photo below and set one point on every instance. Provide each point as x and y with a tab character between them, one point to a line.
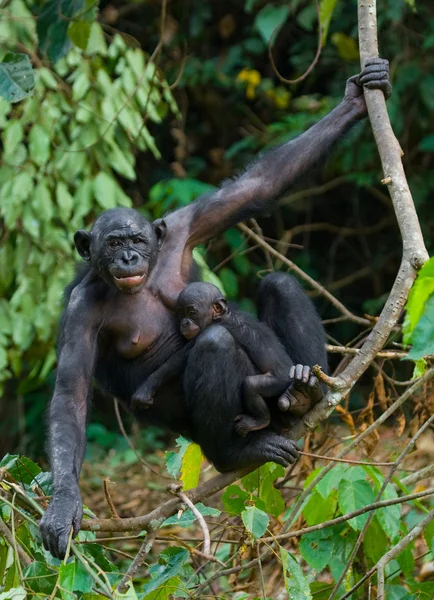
82	243
160	229
219	309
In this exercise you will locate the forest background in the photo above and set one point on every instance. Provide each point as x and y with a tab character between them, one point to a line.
149	105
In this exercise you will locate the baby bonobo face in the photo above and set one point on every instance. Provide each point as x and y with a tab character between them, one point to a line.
199	305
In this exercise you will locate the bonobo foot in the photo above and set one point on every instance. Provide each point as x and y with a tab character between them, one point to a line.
254	451
244	424
143	397
64	511
304	391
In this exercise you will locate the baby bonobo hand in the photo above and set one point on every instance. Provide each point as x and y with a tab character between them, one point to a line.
304	392
144	396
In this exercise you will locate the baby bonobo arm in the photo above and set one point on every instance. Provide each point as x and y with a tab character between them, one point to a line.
174	366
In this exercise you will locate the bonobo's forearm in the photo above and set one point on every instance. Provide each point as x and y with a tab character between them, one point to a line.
67	437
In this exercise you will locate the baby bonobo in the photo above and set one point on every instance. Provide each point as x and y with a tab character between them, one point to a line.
201	305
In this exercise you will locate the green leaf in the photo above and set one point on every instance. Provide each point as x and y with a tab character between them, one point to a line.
353	495
187	518
271	496
105	190
52	26
21	468
79	33
174	459
17	79
65	201
316	510
234	499
270	20
256	521
74	578
315	548
389	517
190	468
39	145
39	578
42	203
422	336
376	543
16	593
422	289
171	563
326	12
296	583
229	281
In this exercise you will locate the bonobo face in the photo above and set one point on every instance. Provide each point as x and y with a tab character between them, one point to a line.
122	247
199	305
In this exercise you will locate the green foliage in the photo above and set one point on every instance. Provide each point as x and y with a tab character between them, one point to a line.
16	77
64	149
419	318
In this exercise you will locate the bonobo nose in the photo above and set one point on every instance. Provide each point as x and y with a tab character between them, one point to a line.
129	258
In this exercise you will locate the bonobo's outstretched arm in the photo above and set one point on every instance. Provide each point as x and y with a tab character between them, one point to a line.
276	171
67	419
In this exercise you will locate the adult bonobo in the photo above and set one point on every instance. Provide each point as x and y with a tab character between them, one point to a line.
119	323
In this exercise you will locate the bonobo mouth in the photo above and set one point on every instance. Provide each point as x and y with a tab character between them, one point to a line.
189	334
129	282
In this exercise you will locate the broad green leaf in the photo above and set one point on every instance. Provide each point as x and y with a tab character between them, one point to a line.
389	517
234	499
270	495
422	337
187	518
317	509
405	559
171	563
270	20
64	200
79	33
229	281
376	543
12	136
422	289
326	12
21	468
52	26
256	521
190	468
17	79
346	46
42	203
105	189
16	593
73	578
296	583
315	548
39	578
174	459
353	495
39	145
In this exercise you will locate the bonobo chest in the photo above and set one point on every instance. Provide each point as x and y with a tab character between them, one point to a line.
137	324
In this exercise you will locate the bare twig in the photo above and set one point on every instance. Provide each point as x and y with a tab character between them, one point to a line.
6	533
144	550
113	511
176	490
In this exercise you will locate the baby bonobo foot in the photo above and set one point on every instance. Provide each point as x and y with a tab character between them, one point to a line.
244	424
143	397
304	391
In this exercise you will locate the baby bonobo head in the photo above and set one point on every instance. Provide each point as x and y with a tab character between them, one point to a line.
199	304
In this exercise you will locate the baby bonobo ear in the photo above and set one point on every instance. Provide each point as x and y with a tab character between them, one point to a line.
160	229
219	309
82	243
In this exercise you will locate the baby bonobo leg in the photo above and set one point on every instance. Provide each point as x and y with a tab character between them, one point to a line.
304	392
255	389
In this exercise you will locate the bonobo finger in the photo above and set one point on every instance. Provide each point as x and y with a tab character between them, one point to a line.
306	373
373	69
313	381
298	372
283	403
376	61
292	372
367	77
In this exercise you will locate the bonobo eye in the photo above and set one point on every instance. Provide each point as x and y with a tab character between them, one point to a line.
114	243
139	240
